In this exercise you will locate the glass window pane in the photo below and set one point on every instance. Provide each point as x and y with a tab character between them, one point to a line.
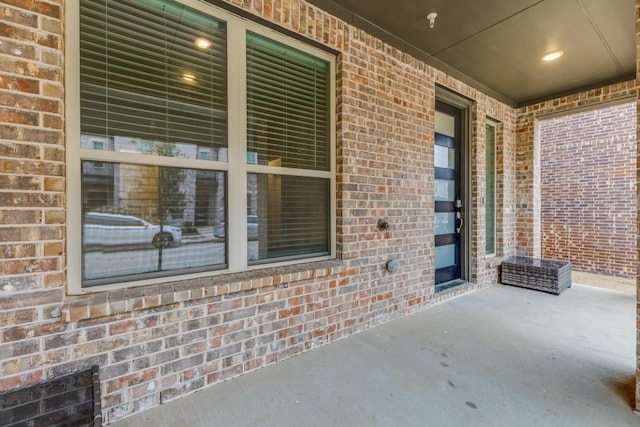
490	206
445	190
139	220
445	157
445	256
288	216
445	124
153	78
287	105
445	223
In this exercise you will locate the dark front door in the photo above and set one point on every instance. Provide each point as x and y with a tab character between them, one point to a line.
448	198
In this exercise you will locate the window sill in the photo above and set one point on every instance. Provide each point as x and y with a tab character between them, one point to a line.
95	305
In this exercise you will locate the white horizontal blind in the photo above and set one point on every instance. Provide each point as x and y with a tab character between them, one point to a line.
287	105
288	126
293	216
142	75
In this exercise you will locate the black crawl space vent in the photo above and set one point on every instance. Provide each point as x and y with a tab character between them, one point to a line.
71	400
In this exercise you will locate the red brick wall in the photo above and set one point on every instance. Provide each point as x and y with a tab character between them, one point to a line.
589	206
528	161
158	342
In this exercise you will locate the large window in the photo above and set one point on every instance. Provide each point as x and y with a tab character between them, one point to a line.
490	205
205	143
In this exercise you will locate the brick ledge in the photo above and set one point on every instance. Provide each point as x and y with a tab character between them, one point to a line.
99	304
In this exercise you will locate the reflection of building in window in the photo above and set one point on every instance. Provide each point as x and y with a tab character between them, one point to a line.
99	184
98	145
191	195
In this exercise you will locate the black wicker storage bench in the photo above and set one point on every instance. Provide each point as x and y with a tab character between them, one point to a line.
539	274
71	400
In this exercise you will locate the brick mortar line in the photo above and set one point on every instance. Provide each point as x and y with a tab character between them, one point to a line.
38	61
35	30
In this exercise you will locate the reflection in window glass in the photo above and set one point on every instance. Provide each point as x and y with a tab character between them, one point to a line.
289	217
445	256
445	190
445	157
445	223
139	220
445	124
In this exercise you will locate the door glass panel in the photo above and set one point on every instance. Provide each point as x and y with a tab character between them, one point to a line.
445	190
445	124
445	256
445	157
448	145
445	223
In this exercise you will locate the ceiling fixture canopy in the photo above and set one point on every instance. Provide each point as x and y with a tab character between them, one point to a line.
432	19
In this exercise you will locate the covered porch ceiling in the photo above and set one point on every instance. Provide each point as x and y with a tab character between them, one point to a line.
496	45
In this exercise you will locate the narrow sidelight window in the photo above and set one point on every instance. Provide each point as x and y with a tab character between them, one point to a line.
490	205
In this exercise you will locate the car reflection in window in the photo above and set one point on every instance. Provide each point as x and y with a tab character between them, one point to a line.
252	228
105	229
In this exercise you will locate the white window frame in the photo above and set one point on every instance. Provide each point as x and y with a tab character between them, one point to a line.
236	167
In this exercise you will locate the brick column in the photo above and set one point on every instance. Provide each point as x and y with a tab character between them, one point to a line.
527	187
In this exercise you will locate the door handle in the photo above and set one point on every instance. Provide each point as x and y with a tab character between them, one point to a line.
461	224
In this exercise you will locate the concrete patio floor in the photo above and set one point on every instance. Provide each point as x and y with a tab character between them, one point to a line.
503	356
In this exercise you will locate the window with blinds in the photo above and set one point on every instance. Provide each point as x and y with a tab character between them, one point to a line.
292	217
288	127
162	155
287	105
144	76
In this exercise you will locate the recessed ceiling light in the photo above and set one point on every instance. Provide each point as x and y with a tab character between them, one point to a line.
552	56
203	43
188	77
